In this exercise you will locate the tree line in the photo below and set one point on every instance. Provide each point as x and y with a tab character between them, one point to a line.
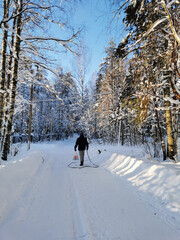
26	50
137	91
138	84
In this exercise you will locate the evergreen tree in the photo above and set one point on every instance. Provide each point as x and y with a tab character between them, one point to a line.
154	38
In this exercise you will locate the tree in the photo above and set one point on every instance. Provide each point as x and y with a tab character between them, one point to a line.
28	15
157	29
81	62
6	5
111	89
6	143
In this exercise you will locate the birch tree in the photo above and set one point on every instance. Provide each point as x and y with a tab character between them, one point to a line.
4	25
6	144
32	42
80	65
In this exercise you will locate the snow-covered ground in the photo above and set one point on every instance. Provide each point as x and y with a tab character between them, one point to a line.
129	197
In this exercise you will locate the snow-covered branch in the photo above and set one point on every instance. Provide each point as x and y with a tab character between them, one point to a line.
153	26
170	22
52	39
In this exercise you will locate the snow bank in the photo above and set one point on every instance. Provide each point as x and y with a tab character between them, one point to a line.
15	176
155	182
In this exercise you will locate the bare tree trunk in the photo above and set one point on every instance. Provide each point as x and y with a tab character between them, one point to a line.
122	132
80	69
119	135
6	99
6	144
175	131
162	139
3	60
161	136
30	118
175	110
169	129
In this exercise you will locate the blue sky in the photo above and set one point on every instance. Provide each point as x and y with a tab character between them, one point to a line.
90	15
94	17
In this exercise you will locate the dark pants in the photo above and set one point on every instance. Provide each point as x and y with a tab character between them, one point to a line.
81	154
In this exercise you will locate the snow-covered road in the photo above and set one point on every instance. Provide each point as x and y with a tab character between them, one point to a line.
43	199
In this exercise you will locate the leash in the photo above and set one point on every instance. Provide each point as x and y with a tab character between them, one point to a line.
92	164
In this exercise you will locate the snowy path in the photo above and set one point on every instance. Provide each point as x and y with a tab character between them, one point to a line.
50	201
111	212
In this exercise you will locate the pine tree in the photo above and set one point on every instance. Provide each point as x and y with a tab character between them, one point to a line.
154	34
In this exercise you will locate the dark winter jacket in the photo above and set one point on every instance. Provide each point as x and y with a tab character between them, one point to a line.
81	143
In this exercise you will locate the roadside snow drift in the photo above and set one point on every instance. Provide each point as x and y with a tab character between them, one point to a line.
155	182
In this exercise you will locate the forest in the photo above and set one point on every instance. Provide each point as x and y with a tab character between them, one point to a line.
135	99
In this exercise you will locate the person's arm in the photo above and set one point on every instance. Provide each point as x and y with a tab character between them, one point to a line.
87	144
75	145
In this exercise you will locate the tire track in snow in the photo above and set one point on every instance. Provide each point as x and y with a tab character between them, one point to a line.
22	188
80	222
43	208
32	189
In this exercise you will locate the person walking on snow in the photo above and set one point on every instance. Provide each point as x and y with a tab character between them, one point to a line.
82	145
